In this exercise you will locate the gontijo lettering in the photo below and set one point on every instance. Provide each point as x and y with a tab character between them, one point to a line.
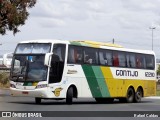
127	73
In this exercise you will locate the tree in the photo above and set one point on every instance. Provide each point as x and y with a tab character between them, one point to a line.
13	13
158	70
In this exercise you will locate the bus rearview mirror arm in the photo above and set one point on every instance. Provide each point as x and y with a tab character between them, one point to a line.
47	59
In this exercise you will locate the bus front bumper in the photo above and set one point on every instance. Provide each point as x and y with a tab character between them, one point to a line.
41	93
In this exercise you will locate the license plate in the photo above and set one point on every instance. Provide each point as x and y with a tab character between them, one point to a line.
25	92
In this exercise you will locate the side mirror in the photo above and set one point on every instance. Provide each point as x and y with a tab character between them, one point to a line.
47	59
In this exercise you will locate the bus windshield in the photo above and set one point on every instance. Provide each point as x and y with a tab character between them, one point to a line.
29	68
34	48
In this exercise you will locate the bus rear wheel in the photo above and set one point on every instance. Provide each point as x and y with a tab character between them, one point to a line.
130	95
138	95
69	96
38	100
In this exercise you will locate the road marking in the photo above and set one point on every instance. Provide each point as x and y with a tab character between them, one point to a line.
153	97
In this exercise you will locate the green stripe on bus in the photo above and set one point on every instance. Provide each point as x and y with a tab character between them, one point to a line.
78	43
101	81
92	82
75	43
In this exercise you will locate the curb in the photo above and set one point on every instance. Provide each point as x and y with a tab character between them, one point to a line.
153	97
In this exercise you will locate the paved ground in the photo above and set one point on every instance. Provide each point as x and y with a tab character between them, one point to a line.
8	103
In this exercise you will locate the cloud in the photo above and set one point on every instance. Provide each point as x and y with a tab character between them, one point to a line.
52	23
67	10
100	20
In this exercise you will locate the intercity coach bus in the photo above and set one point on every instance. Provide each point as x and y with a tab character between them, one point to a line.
56	69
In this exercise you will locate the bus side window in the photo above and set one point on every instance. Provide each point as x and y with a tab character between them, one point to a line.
122	59
75	54
115	59
90	56
102	60
108	56
149	62
128	60
105	57
71	58
140	61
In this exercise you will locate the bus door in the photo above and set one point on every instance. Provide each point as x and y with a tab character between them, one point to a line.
57	63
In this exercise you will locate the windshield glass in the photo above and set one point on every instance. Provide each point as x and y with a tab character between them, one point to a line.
29	68
27	48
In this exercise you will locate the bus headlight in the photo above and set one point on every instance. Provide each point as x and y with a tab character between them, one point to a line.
41	86
12	85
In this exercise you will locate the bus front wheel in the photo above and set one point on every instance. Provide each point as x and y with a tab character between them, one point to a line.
38	100
69	96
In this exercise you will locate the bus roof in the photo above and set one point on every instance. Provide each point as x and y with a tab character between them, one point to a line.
109	46
45	41
89	43
96	44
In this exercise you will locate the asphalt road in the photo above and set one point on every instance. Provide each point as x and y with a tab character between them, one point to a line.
8	103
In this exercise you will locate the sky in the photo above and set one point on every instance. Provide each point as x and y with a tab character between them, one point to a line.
128	22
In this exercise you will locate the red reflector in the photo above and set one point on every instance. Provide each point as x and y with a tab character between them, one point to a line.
24	92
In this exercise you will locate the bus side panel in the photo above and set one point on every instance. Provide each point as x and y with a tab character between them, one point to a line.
118	87
76	75
96	81
115	86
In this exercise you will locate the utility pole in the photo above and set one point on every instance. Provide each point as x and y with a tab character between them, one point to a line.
113	41
152	28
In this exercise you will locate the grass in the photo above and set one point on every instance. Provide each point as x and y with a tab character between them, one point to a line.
4	80
158	92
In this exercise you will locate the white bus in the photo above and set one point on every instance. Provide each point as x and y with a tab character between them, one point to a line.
56	69
5	60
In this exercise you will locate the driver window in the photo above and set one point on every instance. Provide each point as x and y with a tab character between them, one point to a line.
57	63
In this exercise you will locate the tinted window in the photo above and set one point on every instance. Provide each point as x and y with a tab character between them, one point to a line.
33	48
149	62
131	60
140	61
90	56
122	59
119	59
59	50
105	57
75	54
115	59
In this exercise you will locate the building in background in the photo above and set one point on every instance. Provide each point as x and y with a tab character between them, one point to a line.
5	60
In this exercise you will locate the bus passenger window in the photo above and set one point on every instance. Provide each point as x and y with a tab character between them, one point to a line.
90	56
88	59
149	62
102	59
75	55
132	60
122	59
108	57
140	61
115	60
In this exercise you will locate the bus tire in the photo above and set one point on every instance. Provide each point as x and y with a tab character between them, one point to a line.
69	96
130	95
138	95
38	100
